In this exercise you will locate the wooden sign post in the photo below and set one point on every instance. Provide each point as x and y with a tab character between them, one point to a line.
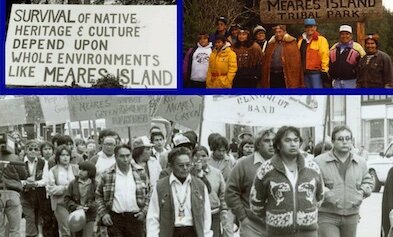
360	31
295	11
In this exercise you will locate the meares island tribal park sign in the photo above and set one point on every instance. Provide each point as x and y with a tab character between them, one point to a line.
295	11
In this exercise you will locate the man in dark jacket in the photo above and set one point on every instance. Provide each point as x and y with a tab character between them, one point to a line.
11	186
375	70
179	205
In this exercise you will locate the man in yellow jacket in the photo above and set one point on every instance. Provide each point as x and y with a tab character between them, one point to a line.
314	50
222	65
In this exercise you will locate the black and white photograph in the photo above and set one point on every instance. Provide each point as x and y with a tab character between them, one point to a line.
221	165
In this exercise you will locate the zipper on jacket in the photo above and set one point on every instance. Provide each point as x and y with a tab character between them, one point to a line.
294	204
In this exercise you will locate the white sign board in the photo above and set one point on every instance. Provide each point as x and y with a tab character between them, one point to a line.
54	45
266	110
55	109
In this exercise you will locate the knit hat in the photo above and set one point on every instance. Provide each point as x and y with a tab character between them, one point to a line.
235	25
223	19
142	142
258	28
374	37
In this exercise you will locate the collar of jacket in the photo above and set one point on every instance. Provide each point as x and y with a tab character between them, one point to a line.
287	38
277	163
349	45
314	36
331	157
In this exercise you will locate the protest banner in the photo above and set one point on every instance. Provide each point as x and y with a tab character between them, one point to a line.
295	11
266	110
185	110
57	45
13	112
55	109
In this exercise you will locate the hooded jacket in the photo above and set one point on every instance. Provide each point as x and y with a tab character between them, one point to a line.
196	62
290	57
222	68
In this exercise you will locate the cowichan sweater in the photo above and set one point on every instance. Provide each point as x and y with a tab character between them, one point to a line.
287	210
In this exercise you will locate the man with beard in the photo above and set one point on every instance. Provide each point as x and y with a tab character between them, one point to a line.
375	70
347	183
237	194
287	189
180	203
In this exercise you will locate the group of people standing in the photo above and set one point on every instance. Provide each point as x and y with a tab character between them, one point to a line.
185	190
240	58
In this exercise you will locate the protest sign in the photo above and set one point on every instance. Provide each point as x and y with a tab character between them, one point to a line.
55	109
13	112
56	45
266	110
295	11
185	110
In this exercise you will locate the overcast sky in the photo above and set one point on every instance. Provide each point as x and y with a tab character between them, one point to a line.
388	4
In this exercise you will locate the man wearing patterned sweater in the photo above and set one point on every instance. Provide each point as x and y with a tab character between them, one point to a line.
287	189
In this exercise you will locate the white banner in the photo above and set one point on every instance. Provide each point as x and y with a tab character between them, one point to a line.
54	45
55	109
13	111
266	110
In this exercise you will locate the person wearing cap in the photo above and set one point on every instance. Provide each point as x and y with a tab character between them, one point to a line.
222	65
245	134
234	31
281	64
375	70
33	186
123	195
187	139
314	49
344	57
196	63
259	33
237	193
221	29
141	153
249	58
81	195
179	205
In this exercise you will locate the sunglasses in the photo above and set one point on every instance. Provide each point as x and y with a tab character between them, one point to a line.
33	149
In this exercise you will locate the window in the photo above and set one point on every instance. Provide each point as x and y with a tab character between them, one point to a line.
374	135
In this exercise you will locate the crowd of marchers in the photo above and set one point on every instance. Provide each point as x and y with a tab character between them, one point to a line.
72	187
245	58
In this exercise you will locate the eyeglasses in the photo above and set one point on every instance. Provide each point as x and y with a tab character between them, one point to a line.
341	139
33	149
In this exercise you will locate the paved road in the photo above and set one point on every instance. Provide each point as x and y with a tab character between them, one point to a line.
370	214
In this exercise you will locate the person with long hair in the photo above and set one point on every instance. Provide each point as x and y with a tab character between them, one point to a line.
249	59
59	177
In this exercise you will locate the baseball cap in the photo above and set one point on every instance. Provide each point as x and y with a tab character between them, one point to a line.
223	19
310	22
179	139
142	141
346	28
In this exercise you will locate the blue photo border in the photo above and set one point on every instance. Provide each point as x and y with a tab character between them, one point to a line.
179	91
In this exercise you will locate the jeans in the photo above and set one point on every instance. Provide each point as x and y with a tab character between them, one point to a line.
227	222
250	228
344	83
87	231
216	225
13	211
313	80
333	225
